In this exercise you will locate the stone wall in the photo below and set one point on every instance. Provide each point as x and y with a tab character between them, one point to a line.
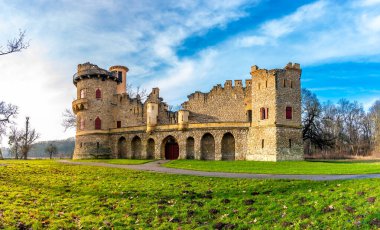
220	104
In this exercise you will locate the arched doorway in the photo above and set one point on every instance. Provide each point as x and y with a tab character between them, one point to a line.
122	148
228	147
190	148
207	147
171	148
150	149
136	147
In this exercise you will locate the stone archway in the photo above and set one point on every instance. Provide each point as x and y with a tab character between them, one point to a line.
136	147
170	148
208	147
190	148
150	149
228	147
122	148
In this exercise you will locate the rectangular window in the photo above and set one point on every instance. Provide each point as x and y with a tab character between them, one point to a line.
262	143
290	143
97	145
264	112
284	83
118	124
120	76
249	114
289	113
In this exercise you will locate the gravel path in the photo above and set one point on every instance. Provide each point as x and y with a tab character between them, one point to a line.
155	166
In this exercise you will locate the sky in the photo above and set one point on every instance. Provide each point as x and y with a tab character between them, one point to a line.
185	46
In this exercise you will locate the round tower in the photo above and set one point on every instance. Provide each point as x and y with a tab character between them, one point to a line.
121	73
183	119
152	114
96	88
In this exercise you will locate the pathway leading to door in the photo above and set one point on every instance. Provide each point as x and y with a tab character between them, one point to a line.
155	166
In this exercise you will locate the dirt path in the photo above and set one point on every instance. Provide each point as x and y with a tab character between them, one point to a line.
155	166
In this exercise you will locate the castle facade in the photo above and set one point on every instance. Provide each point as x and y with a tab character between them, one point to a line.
259	120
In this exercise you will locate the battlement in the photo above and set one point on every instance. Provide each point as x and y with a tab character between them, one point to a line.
89	70
257	72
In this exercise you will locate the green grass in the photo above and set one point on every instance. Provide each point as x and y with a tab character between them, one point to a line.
286	167
117	161
46	194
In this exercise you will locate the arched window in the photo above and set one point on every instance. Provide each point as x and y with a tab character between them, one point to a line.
98	123
82	93
82	123
289	113
98	94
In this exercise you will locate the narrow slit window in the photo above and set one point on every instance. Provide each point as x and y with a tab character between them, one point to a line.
290	143
289	113
262	143
284	83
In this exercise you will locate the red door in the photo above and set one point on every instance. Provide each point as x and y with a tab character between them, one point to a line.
171	151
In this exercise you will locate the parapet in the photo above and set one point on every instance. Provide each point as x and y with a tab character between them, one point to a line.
118	67
294	66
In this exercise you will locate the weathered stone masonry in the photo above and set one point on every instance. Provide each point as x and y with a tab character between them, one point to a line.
258	120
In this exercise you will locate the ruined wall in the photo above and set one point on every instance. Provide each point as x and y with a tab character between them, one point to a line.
220	104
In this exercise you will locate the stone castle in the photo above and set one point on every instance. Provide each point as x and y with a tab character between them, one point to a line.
260	120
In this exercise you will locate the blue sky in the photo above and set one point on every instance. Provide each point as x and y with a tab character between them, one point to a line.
184	46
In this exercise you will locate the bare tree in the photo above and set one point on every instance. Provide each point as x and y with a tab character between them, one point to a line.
69	120
51	149
15	137
312	120
137	92
15	45
29	136
7	112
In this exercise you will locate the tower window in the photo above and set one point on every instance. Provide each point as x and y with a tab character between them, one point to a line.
284	83
249	115
264	113
289	113
118	124
291	84
262	143
98	123
98	94
120	76
290	143
266	84
82	123
82	93
97	145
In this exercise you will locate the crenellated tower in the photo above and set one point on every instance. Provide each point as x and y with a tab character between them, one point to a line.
275	133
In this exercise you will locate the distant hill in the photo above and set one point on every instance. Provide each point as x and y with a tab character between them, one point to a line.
65	149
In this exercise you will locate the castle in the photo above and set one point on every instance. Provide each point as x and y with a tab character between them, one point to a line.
260	120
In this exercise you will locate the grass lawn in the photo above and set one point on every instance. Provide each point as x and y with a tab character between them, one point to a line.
46	194
117	161
286	167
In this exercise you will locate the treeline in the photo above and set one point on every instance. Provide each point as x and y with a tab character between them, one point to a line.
65	149
342	129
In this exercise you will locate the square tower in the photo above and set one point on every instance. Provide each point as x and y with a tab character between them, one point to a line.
276	131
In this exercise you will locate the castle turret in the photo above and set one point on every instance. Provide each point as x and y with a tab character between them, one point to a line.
183	119
276	114
121	73
96	88
152	114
